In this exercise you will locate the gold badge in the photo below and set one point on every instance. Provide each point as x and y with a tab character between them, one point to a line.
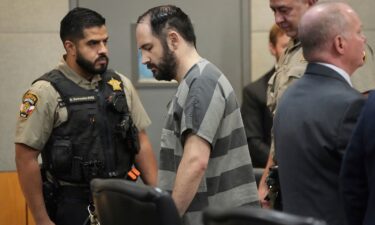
28	105
115	84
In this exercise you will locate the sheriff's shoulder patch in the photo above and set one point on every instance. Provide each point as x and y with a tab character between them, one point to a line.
28	105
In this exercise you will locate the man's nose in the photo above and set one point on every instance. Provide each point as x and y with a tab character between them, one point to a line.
144	57
279	18
103	48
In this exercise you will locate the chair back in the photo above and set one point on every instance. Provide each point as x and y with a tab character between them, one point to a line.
120	202
254	216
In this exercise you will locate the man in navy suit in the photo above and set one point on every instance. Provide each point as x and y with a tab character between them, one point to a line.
316	114
357	178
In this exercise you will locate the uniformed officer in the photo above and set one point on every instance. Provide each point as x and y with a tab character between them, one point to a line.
85	120
292	66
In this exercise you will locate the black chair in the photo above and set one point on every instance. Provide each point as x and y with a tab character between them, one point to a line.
254	216
119	201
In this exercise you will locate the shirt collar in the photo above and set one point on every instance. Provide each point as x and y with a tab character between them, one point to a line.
340	71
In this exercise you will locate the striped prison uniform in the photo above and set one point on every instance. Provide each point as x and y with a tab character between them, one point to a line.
205	105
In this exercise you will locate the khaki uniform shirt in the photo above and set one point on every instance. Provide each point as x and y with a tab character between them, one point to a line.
292	66
40	112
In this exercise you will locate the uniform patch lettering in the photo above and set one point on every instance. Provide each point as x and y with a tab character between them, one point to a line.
28	105
82	99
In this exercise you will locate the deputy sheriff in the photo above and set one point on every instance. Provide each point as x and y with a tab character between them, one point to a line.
86	121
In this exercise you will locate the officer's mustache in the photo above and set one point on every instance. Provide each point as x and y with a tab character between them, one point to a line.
101	57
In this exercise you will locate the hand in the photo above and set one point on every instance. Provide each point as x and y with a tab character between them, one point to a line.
262	193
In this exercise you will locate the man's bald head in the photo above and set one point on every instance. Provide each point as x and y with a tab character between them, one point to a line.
331	32
320	24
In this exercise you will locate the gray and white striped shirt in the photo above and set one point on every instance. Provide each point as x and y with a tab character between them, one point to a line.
205	104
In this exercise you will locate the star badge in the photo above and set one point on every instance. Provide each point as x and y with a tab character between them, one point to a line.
115	84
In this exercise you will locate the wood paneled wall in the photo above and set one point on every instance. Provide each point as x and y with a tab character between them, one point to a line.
13	209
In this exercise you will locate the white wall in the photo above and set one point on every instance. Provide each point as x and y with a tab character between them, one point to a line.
30	46
261	21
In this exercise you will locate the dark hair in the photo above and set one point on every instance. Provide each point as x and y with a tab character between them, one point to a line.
169	16
73	24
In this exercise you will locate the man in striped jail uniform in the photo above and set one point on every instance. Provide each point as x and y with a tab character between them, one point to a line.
204	157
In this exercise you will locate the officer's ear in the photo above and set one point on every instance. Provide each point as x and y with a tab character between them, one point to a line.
70	47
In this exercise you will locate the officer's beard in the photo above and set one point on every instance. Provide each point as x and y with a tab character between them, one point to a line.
89	66
167	68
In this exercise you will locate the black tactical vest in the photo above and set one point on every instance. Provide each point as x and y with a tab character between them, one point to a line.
99	139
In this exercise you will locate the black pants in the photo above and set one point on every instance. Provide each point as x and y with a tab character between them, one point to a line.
72	206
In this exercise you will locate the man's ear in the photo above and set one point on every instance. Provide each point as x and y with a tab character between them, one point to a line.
339	44
70	47
173	39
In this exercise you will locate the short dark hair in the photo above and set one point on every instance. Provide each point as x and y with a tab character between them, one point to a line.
170	16
73	24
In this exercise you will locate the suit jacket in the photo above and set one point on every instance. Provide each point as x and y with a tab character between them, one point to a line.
257	119
312	127
358	170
